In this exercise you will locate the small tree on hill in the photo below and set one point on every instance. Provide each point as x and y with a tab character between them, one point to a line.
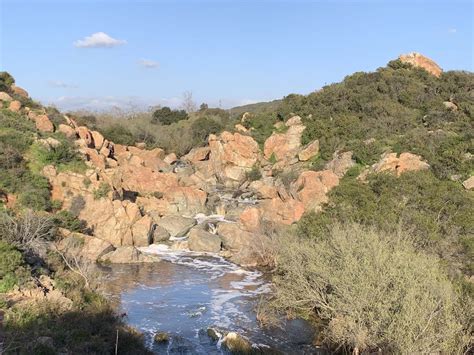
166	116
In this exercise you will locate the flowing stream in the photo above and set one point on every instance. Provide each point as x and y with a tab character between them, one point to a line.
187	293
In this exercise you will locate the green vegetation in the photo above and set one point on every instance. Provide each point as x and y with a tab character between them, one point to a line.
373	290
101	191
437	212
166	116
254	174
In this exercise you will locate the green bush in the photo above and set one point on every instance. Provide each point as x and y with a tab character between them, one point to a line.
254	174
203	127
63	157
66	219
6	81
166	116
438	212
118	134
11	261
373	290
101	191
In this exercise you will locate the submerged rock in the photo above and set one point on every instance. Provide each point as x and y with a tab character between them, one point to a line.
161	337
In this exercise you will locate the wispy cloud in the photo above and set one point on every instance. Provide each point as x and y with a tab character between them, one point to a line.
148	63
62	84
452	30
98	40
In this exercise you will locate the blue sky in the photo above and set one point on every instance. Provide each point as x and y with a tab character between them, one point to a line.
227	52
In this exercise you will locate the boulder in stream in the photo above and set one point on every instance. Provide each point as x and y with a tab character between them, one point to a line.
201	240
176	225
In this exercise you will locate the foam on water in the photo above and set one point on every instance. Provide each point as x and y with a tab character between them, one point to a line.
188	292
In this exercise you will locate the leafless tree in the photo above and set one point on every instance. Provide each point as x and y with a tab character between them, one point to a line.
188	104
76	264
27	231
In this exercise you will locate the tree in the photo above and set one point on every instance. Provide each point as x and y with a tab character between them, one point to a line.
166	116
373	291
203	107
188	104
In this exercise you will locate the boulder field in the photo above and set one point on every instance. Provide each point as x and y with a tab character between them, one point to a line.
131	197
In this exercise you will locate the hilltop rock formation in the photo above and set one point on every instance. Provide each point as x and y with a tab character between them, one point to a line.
420	61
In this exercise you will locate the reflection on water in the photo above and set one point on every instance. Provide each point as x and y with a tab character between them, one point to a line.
187	293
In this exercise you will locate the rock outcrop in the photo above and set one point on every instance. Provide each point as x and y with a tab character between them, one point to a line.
285	146
420	61
399	165
232	156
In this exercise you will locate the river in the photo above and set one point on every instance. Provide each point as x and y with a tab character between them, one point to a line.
186	293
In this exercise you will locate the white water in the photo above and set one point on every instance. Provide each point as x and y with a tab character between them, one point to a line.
188	292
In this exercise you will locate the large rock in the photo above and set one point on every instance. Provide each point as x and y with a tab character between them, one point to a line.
469	183
84	134
185	199
285	146
250	219
141	179
96	159
15	106
232	156
265	189
201	240
97	139
150	158
177	226
160	235
420	61
197	154
67	130
19	91
310	151
142	232
234	237
5	97
242	247
311	188
43	123
127	255
398	165
85	246
341	163
282	212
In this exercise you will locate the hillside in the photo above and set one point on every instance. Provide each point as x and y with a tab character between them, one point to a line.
365	185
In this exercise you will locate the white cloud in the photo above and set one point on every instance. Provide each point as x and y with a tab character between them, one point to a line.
99	40
62	84
452	30
148	63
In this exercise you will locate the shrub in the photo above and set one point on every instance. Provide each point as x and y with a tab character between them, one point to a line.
101	191
26	231
166	116
203	127
6	81
118	134
64	157
254	174
12	267
437	212
373	290
66	219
